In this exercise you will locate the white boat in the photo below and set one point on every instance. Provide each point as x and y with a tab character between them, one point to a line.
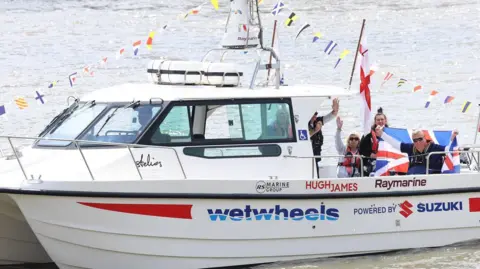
188	172
18	243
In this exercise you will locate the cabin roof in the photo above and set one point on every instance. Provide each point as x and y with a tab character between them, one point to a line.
146	91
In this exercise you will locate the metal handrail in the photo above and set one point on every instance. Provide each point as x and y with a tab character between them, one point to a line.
257	67
474	146
76	142
326	156
449	151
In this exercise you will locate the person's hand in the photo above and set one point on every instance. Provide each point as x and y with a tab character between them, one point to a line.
379	131
318	126
335	106
339	123
454	134
312	120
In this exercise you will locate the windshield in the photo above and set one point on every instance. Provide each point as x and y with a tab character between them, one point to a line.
72	125
122	124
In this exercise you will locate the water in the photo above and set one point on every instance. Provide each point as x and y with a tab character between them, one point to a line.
428	42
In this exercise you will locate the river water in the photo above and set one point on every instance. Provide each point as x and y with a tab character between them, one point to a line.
433	43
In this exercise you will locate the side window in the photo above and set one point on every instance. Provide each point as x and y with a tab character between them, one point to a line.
175	128
271	150
274	124
252	121
224	123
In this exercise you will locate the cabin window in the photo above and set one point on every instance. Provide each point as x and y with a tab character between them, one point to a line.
276	123
234	151
175	128
121	124
226	122
70	125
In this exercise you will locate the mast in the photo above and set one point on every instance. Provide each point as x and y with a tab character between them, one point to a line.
356	54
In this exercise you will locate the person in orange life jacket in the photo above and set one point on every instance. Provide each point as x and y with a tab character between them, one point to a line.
315	129
418	151
281	127
369	143
348	166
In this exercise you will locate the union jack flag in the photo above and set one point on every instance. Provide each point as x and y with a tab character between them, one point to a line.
390	158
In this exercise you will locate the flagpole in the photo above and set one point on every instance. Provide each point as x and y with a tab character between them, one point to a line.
478	126
271	55
356	54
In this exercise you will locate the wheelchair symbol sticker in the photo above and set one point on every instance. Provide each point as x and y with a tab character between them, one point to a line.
302	134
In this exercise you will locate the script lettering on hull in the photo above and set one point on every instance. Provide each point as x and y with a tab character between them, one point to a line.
148	162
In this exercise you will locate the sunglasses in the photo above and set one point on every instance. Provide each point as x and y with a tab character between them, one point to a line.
353	139
415	140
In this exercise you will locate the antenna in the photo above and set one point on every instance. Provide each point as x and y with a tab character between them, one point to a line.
243	26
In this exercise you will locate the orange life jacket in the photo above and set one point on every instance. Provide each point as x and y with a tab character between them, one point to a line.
349	162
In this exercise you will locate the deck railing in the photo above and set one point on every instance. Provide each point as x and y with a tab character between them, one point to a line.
470	155
78	146
472	152
314	163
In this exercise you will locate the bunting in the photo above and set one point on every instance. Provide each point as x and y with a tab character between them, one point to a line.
305	26
150	40
417	88
136	45
432	94
401	82
387	78
214	4
291	19
331	45
21	103
277	8
448	99
316	37
72	78
40	97
343	54
466	106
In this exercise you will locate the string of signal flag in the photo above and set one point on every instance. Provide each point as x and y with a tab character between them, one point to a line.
89	70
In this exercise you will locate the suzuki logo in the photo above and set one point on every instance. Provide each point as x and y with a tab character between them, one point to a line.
406	211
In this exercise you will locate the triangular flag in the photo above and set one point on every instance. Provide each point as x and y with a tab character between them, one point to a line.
150	40
214	4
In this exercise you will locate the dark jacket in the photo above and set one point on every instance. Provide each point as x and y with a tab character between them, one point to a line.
365	146
418	160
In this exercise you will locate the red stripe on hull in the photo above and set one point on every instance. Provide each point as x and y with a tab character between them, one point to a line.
474	204
158	210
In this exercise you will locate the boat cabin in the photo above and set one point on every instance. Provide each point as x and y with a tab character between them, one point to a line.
237	131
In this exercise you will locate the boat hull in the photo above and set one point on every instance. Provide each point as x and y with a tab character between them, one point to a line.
18	243
104	233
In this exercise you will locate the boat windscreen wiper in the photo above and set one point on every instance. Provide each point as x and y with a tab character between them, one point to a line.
132	104
70	112
60	117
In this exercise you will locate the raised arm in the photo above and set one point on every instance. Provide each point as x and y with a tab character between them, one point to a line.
390	140
335	107
338	138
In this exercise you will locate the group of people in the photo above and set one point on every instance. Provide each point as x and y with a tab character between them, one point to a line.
366	146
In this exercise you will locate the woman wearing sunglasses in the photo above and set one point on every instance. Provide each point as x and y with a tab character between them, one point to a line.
349	165
418	151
